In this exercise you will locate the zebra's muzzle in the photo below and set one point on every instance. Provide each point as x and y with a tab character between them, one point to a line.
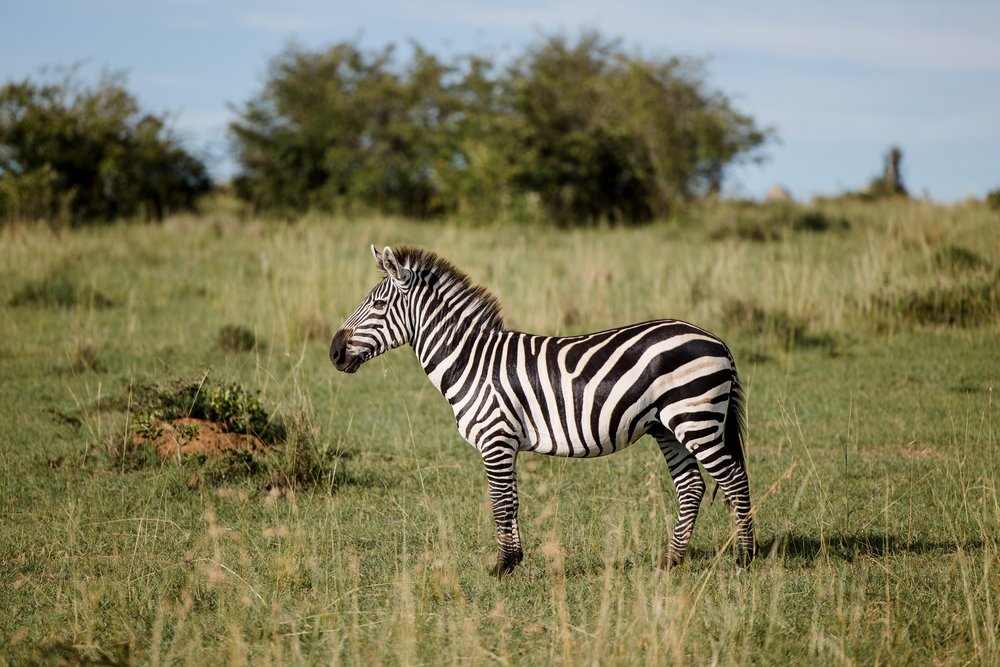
339	355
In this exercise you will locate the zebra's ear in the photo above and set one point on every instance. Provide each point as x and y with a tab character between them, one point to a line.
378	258
391	266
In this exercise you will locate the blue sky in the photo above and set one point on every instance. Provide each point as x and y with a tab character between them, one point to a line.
840	82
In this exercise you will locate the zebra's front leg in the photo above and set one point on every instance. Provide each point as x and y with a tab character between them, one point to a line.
690	489
499	459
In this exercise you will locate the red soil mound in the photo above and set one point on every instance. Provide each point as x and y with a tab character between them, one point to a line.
198	436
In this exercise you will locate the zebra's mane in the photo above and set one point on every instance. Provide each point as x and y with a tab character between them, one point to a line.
439	274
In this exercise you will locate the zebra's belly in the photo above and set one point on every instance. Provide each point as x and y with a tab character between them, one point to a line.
554	437
580	449
585	440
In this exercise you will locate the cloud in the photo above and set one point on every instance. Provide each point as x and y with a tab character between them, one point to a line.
927	36
283	22
204	121
188	22
933	36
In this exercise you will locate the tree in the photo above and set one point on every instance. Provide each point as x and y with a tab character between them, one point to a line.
585	129
890	183
80	153
993	199
607	135
345	129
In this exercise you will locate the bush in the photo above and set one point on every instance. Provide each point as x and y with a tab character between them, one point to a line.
957	259
607	135
966	303
769	222
583	131
292	455
74	153
236	338
344	129
890	183
993	199
232	406
786	331
58	289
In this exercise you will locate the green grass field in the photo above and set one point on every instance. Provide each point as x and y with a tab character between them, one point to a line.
868	336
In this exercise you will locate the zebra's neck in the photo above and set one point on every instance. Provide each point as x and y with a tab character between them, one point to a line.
448	330
447	313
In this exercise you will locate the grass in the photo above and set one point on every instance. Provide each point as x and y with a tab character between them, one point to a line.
874	448
234	338
57	289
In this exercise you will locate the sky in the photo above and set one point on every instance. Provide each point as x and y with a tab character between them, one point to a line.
839	82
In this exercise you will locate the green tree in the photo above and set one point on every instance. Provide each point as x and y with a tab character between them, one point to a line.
344	128
890	183
993	199
583	128
608	135
76	153
300	140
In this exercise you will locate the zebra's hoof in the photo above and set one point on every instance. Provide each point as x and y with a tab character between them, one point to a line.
506	564
670	561
743	560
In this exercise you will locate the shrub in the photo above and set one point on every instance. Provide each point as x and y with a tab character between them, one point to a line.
235	338
293	455
769	222
582	130
74	153
969	302
605	135
993	199
232	406
890	183
957	259
58	289
342	129
786	330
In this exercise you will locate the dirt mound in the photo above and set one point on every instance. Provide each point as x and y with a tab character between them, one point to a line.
186	435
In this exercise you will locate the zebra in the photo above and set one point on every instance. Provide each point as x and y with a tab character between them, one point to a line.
579	396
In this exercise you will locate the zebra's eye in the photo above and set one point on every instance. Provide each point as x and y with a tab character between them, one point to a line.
379	304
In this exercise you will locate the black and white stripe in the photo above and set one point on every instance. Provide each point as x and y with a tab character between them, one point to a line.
578	396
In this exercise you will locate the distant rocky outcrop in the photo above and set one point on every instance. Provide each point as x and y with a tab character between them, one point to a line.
778	193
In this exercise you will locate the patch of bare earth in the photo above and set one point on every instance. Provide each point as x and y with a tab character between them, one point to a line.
912	451
917	452
187	435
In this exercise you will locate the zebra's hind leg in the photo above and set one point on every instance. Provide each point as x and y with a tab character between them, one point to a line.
499	459
736	488
729	472
690	488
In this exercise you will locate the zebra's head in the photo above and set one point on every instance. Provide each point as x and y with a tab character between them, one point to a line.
380	323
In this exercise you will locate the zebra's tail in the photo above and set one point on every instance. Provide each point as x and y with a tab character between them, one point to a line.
736	421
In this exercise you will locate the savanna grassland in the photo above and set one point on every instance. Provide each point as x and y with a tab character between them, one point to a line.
868	337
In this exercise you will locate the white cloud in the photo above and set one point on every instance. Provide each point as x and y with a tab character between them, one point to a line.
204	121
909	35
281	21
188	22
906	35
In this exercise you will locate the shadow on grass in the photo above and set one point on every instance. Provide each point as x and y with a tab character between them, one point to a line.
68	653
785	547
849	547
